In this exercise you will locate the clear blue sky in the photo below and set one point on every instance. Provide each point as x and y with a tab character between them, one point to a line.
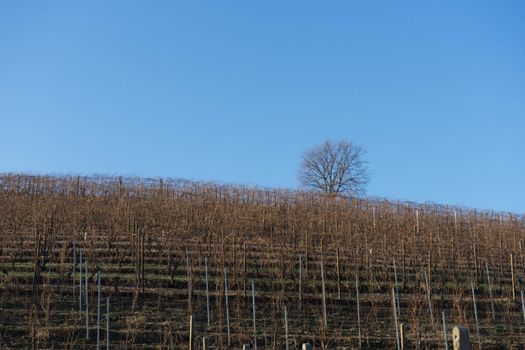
235	91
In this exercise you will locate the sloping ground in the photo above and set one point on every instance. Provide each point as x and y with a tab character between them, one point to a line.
152	239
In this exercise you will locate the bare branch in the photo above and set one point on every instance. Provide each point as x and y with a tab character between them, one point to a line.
335	168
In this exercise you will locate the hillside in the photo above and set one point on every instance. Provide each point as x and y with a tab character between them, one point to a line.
153	241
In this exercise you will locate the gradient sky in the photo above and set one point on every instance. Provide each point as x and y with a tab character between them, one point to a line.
235	91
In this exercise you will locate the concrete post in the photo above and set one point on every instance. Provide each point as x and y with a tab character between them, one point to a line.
461	339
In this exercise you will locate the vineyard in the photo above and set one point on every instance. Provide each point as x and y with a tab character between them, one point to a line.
126	262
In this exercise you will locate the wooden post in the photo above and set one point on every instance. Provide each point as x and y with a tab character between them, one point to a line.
358	314
245	272
205	343
444	329
300	281
427	282
78	186
190	341
338	276
98	310
324	295
490	292
253	311
476	314
455	221
306	257
417	221
461	338
227	309
403	335
120	187
522	307
475	264
74	270
80	287
107	323
143	276
286	327
306	346
403	262
87	304
395	318
188	274
397	290
521	254
207	290
512	275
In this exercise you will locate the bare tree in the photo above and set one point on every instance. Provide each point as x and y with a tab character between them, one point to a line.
335	168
